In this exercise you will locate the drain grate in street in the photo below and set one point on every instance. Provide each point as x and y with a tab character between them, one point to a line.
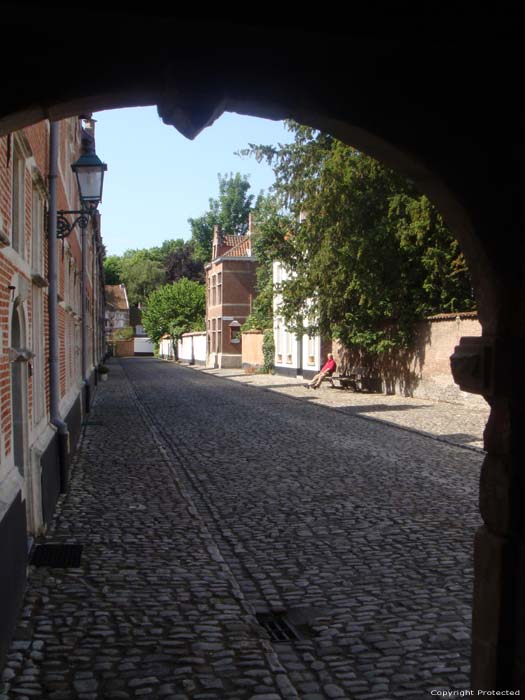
63	556
278	627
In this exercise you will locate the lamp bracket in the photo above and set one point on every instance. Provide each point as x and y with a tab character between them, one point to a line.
65	227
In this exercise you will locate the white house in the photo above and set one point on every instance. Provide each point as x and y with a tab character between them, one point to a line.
294	356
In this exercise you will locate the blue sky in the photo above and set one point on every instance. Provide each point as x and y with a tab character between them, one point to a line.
157	178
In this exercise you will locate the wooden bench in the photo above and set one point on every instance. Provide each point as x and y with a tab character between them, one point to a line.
359	379
345	381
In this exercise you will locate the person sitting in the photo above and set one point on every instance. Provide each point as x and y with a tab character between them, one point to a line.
327	370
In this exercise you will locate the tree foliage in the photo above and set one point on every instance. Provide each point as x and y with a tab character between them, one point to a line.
266	215
174	309
230	211
181	262
124	333
370	255
141	274
112	270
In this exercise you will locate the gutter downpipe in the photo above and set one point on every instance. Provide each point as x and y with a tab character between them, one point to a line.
85	378
54	359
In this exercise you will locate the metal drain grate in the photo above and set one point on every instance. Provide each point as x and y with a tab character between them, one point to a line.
63	556
278	627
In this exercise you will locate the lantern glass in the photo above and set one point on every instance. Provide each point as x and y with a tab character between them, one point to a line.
89	171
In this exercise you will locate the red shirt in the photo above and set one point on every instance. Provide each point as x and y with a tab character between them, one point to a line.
329	366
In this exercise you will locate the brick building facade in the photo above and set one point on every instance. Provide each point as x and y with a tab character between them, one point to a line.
34	451
230	290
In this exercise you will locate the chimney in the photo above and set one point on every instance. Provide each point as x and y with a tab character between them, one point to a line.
215	242
87	135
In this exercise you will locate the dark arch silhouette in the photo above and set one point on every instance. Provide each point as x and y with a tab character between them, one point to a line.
428	94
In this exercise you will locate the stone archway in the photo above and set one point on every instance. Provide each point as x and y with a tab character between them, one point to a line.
426	95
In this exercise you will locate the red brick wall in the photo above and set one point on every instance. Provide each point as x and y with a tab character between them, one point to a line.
34	142
238	291
125	348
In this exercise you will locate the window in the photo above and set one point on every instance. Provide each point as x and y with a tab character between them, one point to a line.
214	290
288	337
213	337
219	335
37	233
18	202
235	332
38	350
311	350
219	288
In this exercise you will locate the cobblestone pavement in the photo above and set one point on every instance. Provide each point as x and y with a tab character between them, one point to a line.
200	502
453	423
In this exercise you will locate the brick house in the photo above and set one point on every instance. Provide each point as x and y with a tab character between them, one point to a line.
42	384
230	290
117	313
142	345
116	317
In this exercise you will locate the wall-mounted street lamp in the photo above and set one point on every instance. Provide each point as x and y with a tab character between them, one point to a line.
89	171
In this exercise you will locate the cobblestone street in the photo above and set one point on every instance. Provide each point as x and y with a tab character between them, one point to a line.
202	500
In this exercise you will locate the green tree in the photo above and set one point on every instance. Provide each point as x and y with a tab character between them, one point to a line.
144	270
141	275
266	216
230	211
174	309
112	272
161	253
370	255
181	262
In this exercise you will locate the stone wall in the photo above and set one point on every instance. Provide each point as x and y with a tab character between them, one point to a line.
425	371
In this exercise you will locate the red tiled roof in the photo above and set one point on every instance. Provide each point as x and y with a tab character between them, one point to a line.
448	316
242	248
116	298
231	240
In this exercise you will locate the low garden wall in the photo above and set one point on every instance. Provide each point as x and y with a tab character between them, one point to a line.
425	371
124	348
252	349
192	348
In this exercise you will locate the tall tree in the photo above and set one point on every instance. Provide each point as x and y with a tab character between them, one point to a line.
370	255
230	211
141	275
267	216
112	271
144	270
181	262
174	309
